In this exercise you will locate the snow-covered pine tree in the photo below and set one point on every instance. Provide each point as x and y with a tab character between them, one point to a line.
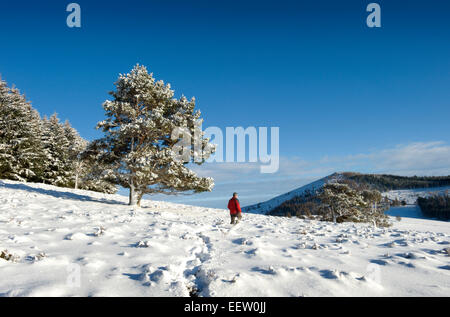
96	175
21	155
75	148
341	203
56	145
45	150
138	142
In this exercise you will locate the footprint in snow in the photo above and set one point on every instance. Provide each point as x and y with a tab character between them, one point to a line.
242	241
269	271
411	256
379	262
401	242
204	256
299	246
159	275
253	252
407	264
76	236
332	274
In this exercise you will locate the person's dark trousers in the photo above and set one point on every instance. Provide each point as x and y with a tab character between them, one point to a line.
233	218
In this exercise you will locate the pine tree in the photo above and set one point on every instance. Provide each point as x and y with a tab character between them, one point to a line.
56	145
76	146
96	175
138	140
341	203
21	155
32	149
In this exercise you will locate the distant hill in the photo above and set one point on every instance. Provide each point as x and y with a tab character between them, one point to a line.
265	207
300	198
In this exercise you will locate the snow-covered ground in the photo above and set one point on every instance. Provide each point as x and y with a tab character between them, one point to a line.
166	249
410	195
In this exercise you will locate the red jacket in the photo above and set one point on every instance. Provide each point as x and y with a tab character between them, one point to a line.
234	206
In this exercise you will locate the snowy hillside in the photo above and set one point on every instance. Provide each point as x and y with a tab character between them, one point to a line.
264	207
165	249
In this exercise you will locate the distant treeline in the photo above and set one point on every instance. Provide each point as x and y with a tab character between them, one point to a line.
44	150
393	182
437	206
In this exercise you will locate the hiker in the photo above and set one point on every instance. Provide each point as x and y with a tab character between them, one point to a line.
235	209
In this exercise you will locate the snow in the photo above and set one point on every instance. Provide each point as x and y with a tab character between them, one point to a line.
410	195
165	249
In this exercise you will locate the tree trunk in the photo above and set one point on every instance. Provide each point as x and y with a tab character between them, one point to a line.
139	199
76	181
132	200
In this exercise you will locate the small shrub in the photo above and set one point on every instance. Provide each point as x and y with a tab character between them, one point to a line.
5	255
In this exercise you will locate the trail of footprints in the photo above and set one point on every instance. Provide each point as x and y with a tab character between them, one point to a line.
197	275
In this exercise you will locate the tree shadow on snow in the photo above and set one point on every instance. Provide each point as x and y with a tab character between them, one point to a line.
58	194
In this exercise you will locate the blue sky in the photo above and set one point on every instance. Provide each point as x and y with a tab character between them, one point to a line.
346	97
